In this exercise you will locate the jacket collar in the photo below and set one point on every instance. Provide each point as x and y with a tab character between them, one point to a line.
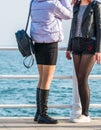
88	9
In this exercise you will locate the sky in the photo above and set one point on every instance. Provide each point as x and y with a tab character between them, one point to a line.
13	16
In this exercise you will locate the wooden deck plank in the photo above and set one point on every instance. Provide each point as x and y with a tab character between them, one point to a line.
64	124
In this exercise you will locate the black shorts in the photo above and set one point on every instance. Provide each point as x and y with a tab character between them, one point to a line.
46	53
83	46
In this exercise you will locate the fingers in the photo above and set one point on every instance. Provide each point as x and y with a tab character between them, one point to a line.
68	55
98	58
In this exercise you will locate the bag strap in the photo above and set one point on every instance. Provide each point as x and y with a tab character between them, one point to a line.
28	16
31	62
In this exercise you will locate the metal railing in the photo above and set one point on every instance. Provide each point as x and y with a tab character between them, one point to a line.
36	77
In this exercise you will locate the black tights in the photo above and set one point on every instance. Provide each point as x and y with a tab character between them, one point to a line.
83	66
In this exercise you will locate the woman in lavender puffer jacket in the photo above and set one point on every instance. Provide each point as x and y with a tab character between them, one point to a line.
46	32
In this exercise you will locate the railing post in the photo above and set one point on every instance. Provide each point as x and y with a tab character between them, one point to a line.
76	105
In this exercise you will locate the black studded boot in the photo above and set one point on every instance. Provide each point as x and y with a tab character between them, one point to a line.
37	104
43	117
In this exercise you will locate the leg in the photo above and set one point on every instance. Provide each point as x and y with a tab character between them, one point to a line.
82	71
86	64
47	75
48	71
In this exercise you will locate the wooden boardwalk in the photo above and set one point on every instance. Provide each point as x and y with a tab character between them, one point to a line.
64	124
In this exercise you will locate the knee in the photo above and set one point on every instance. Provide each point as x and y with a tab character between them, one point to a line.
82	79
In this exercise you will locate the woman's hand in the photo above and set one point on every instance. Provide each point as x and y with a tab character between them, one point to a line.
68	55
98	57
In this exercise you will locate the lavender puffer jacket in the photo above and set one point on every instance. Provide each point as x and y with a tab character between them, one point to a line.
46	20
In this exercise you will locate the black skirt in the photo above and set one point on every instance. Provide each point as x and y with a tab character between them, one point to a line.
46	53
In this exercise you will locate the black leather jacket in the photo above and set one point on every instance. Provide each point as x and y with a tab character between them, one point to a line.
91	24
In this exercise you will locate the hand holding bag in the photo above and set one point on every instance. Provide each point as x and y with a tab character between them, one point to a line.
25	43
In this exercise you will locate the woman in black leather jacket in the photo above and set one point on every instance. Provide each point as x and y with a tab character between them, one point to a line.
85	45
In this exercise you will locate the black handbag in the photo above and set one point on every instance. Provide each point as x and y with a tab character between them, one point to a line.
25	43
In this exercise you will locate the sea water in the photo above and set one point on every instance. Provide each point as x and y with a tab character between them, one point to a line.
23	91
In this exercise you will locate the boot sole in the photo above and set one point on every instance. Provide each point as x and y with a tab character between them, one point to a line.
42	122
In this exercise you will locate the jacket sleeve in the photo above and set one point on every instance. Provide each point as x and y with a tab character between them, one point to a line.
63	9
97	10
69	47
